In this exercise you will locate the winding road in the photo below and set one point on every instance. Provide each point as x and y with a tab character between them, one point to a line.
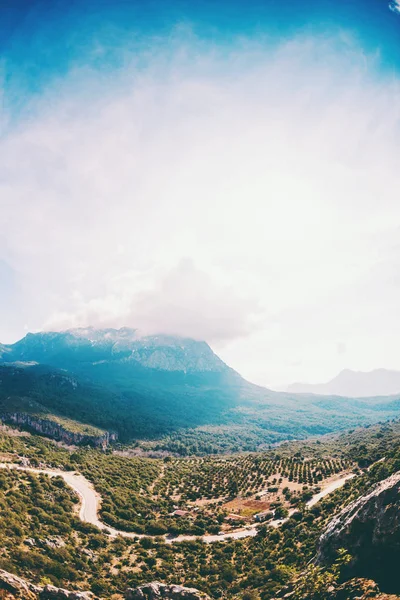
90	505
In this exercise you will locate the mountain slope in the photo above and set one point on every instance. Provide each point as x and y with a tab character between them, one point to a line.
356	384
54	403
89	345
149	387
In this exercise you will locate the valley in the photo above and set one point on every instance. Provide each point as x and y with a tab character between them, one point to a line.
199	300
90	503
160	394
126	460
47	534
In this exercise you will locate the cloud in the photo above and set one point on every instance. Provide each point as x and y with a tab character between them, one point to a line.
185	302
394	5
239	194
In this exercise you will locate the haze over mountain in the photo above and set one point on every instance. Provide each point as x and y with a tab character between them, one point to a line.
199	206
88	344
151	386
146	126
356	384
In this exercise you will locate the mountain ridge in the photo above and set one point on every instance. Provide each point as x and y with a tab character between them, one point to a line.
148	387
354	384
111	344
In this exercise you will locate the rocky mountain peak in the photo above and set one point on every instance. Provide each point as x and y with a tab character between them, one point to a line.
91	345
109	334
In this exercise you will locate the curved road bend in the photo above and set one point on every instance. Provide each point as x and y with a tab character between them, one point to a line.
90	505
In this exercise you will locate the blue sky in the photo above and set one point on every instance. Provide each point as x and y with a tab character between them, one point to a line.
221	170
42	39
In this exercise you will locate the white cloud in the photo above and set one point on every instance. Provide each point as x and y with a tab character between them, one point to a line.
394	5
245	197
183	301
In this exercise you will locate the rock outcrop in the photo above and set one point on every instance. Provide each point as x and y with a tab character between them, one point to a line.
56	431
50	592
156	591
360	589
21	589
18	587
369	529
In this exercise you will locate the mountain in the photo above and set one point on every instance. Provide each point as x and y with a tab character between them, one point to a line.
154	386
89	345
355	384
149	385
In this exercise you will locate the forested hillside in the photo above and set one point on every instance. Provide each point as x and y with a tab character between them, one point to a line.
42	538
173	390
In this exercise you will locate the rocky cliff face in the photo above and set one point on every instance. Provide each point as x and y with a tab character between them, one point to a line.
369	529
156	591
17	588
58	432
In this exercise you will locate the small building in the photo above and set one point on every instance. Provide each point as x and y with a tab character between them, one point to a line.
263	516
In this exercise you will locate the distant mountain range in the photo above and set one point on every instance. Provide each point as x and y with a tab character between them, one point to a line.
114	380
355	384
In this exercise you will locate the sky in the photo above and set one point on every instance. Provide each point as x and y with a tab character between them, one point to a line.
228	171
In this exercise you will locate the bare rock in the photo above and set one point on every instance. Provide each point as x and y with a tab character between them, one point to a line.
369	529
50	592
18	587
357	589
361	589
155	591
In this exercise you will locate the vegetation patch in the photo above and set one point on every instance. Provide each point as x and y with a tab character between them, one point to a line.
41	537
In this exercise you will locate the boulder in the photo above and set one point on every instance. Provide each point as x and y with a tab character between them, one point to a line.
155	591
50	592
18	587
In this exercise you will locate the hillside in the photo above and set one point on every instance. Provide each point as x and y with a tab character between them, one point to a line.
160	387
356	384
42	538
83	346
53	403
